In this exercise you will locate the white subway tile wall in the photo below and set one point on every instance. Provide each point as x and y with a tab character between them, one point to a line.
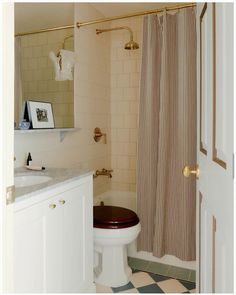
38	77
106	95
91	102
125	81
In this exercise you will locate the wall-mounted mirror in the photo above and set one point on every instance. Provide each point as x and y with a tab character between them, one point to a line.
34	70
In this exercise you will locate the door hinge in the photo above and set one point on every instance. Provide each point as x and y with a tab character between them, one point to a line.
10	194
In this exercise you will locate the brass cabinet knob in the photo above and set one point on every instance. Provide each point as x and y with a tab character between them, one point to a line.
52	206
62	202
187	171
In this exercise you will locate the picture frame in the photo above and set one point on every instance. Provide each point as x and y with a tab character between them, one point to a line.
40	114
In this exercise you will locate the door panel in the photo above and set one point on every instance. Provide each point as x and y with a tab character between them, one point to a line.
222	79
206	247
79	229
53	245
74	263
29	241
215	72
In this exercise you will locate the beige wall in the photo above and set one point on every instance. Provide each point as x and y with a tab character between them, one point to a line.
125	76
92	92
92	108
107	96
38	76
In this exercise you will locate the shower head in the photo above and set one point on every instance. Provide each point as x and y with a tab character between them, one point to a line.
131	45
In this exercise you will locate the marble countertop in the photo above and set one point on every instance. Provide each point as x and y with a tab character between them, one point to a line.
59	177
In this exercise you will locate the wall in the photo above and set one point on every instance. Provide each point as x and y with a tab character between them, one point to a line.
125	80
92	108
38	76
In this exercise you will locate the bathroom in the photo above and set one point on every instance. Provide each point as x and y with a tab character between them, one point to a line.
104	94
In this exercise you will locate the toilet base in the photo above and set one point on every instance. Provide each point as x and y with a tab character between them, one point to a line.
115	271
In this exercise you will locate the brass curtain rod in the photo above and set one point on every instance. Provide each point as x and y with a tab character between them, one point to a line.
107	19
44	30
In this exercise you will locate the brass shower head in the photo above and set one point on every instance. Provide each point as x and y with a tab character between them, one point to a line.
131	45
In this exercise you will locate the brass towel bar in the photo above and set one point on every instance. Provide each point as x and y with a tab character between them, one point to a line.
107	19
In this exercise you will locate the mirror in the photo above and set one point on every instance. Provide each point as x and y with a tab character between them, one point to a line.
34	70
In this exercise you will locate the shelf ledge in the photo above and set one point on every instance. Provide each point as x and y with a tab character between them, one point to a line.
62	131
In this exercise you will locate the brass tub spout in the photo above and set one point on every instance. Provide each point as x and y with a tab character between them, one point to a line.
103	172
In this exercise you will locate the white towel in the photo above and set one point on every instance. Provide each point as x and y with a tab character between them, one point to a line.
63	64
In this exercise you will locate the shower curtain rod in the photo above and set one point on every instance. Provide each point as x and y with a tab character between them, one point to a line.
107	19
44	30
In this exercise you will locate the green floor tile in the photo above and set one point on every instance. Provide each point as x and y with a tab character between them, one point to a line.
139	264
192	277
158	268
179	273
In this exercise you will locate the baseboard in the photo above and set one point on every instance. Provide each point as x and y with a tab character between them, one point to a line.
167	259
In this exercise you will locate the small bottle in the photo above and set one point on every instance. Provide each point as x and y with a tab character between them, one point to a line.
29	160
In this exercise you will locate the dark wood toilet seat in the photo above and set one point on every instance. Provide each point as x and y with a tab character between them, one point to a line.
112	217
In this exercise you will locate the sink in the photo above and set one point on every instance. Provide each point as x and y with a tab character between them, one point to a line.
28	180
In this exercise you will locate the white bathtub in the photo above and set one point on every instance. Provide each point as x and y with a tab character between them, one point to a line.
123	199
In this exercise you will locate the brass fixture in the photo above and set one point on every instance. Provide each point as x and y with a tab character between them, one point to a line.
107	19
62	202
187	171
131	45
66	38
98	135
103	172
44	30
10	194
63	47
52	206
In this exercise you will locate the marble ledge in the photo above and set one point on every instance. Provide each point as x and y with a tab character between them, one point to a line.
60	176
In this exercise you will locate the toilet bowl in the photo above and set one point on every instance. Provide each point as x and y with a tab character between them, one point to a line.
114	228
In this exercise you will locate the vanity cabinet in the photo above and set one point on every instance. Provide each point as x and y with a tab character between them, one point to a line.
53	242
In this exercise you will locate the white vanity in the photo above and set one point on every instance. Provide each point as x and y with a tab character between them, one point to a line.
53	233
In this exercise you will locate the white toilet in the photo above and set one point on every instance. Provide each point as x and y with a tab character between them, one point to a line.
114	229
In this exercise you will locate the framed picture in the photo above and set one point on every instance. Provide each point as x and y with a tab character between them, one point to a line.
40	114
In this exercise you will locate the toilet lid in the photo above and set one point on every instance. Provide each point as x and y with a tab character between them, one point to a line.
113	217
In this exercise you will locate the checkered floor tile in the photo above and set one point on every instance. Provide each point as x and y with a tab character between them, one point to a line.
146	282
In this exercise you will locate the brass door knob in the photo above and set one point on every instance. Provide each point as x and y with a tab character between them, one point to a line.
187	171
52	206
62	202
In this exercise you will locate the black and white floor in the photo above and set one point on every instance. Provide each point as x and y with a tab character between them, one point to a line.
147	282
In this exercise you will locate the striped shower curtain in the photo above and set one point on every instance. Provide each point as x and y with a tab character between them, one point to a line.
167	135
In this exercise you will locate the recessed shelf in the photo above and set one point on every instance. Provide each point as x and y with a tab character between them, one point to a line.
62	131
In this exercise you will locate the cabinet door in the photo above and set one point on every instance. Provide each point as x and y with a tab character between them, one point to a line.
78	239
54	237
53	244
29	250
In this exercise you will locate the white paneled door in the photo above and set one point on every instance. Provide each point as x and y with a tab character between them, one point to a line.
6	140
215	147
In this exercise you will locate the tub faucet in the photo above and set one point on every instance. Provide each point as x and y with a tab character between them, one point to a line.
103	172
